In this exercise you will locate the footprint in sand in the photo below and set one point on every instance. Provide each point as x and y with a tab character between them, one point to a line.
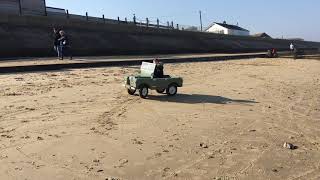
112	178
13	94
122	163
19	79
156	155
20	107
25	137
6	136
136	141
30	109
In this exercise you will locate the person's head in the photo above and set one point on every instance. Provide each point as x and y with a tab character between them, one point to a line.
62	33
156	61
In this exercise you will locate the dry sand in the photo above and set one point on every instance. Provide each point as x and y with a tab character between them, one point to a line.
81	124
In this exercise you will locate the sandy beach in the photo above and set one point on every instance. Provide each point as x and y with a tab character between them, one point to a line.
228	122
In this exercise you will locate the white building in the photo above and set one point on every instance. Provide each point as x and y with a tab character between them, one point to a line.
224	28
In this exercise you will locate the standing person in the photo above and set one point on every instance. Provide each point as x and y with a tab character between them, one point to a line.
56	37
291	47
64	46
295	53
274	53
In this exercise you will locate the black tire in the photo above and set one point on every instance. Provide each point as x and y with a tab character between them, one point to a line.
131	92
160	91
143	92
172	90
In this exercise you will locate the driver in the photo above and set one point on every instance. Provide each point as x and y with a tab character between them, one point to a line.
158	71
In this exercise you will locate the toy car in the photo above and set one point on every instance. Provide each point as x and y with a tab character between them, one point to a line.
145	81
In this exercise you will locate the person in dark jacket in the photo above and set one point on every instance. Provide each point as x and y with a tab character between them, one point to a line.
158	72
64	46
56	37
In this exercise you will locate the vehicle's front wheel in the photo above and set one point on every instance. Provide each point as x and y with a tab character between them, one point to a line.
131	92
172	90
143	92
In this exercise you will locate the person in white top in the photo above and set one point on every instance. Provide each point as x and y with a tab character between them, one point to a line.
291	47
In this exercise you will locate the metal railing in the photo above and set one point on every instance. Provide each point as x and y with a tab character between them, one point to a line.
147	22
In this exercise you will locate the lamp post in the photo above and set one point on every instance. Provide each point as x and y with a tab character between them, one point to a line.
45	7
200	20
134	19
20	8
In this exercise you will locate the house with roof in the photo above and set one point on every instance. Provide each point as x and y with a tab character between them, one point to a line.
262	35
224	28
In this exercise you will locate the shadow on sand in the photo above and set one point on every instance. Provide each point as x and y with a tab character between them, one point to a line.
198	99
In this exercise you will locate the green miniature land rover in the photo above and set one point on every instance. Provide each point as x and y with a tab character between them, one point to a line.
145	81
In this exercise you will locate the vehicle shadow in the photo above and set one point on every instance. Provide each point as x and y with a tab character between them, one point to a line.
198	99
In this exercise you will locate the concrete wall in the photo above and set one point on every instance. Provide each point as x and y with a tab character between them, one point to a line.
9	6
238	33
32	36
28	7
33	7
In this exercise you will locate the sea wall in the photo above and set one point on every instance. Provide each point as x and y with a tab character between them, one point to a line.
32	36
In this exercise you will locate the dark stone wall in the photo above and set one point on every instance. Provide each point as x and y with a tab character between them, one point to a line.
33	7
9	6
32	36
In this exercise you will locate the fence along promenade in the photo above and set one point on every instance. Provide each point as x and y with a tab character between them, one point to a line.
147	22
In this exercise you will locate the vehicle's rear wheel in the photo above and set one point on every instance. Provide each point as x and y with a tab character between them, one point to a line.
131	91
172	90
143	92
160	91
